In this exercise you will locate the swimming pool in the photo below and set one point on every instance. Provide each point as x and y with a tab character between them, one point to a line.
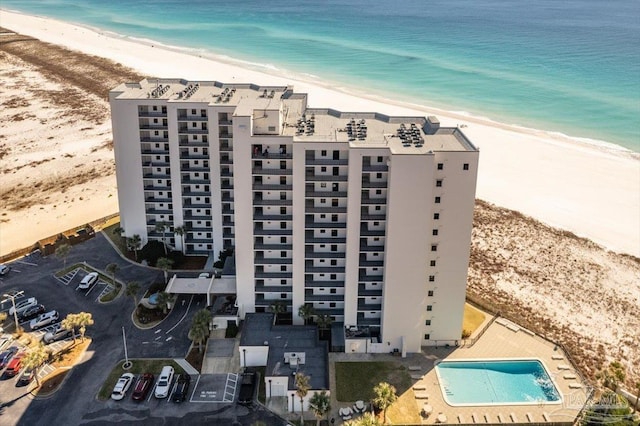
496	382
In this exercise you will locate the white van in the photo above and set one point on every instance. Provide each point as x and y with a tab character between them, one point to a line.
164	382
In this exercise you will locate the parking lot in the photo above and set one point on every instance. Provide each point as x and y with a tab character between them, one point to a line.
75	402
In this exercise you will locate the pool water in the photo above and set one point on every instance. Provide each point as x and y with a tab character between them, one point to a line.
496	382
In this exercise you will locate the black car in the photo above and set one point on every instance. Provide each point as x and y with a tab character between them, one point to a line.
6	356
31	313
182	388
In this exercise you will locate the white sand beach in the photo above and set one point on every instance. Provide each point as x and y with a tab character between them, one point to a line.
592	191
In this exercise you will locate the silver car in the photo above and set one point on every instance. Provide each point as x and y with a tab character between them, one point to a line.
44	320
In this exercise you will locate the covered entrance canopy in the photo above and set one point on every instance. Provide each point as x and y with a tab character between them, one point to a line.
207	286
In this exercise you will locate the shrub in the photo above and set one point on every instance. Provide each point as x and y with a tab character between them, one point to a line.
222	257
466	334
151	252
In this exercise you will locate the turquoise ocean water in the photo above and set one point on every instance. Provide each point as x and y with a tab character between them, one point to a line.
570	66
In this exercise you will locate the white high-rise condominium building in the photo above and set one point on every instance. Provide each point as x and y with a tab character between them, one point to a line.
365	217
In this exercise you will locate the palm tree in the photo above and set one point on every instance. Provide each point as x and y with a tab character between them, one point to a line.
118	230
385	395
200	327
277	308
34	359
302	389
133	287
112	268
165	264
83	320
62	252
164	299
133	243
162	227
180	231
306	312
367	419
320	404
324	322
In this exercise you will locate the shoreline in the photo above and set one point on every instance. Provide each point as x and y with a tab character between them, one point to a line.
410	106
591	190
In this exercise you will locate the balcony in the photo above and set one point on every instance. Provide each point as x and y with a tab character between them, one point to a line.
157	188
261	260
274	288
325	194
271	156
198	144
226	185
310	297
373	217
226	147
309	269
274	274
153	200
369	200
362	306
263	246
310	177
368	248
258	202
368	184
375	168
323	284
372	232
263	232
155	163
152	114
263	187
330	311
195	181
271	172
310	254
226	173
311	209
154	140
187	205
185	154
325	240
194	193
184	117
190	216
362	291
370	278
154	151
158	211
156	176
153	127
261	300
226	160
367	322
371	263
326	162
324	225
186	167
273	217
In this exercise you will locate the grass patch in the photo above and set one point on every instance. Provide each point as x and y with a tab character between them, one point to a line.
119	241
112	294
355	380
195	357
139	366
262	389
404	411
473	318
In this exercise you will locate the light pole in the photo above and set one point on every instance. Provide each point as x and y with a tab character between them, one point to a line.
127	364
13	303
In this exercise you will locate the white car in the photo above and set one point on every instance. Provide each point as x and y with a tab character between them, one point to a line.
44	320
164	382
121	387
4	269
88	280
57	334
23	304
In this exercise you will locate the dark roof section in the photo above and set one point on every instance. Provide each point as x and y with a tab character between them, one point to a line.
258	329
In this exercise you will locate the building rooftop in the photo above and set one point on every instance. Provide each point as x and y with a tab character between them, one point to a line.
401	135
286	342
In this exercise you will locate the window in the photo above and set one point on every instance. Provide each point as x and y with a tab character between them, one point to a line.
427	336
323	200
283	254
430	293
156	133
334	247
379	159
334	202
323	169
432	278
283	240
333	277
272	128
427	322
283	225
323	185
436	216
465	166
334	232
323	153
334	218
334	262
283	268
440	166
434	247
378	191
378	208
332	304
333	291
429	308
437	200
434	232
283	295
283	282
283	210
194	125
155	107
432	263
322	216
193	112
379	175
155	121
439	183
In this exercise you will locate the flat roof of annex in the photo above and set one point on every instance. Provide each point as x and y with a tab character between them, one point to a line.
401	135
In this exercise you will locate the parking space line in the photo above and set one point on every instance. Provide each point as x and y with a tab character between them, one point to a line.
92	287
227	386
194	389
183	317
173	389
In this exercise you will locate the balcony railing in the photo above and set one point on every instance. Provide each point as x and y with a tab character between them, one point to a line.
327	284
325	178
262	171
362	291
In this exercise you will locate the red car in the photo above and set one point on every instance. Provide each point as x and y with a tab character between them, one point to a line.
14	367
141	389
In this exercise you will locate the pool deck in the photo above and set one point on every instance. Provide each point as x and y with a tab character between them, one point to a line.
501	340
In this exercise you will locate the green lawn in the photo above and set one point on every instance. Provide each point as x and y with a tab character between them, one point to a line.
139	366
355	380
119	241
